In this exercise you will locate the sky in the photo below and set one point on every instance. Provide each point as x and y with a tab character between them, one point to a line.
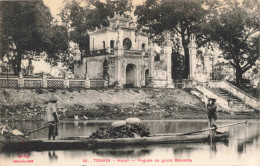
56	5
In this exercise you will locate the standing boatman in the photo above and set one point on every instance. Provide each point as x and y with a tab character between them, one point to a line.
212	112
52	117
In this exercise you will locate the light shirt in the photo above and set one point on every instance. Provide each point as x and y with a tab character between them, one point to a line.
51	108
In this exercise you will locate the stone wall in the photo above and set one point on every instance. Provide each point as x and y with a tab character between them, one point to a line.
80	68
112	70
160	74
95	69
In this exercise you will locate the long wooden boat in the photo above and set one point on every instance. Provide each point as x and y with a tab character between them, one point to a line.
87	143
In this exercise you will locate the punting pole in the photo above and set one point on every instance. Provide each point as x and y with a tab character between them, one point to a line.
207	129
30	132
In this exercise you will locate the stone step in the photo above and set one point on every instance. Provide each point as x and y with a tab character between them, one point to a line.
230	97
239	104
238	101
240	107
235	100
225	94
245	109
243	113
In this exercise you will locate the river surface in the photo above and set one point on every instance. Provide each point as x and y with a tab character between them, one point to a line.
243	147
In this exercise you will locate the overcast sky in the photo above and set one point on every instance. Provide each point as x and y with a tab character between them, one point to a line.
56	5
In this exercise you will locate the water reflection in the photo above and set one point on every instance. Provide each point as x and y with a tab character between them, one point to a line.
126	152
213	146
242	146
249	141
184	148
52	156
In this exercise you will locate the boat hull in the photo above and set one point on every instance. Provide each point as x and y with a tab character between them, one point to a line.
85	143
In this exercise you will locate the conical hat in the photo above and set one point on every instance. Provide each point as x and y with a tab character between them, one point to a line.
212	99
54	98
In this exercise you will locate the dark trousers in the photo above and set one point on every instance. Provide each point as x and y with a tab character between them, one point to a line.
212	121
53	130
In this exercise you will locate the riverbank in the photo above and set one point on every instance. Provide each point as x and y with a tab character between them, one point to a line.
107	104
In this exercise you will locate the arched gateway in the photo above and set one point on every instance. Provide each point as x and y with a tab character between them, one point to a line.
131	74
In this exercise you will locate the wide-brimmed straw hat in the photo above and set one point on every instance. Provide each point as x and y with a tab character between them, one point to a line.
212	99
54	98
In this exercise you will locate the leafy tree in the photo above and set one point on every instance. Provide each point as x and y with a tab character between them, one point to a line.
177	60
236	31
98	16
27	26
73	16
58	46
179	16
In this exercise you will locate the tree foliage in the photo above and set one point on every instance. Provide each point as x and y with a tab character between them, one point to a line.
26	25
98	15
57	48
236	31
27	28
74	18
179	16
232	24
177	60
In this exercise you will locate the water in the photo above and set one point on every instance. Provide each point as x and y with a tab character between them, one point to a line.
242	148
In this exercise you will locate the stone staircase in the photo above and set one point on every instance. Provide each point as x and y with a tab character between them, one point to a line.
238	107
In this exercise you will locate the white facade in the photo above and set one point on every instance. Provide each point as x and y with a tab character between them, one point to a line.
122	56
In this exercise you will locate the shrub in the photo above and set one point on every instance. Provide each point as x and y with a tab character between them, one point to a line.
39	91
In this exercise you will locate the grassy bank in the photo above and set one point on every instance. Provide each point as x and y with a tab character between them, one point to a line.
29	104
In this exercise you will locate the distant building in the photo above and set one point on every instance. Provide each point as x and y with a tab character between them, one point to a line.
123	56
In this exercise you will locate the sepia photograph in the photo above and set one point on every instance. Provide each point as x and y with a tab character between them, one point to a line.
129	83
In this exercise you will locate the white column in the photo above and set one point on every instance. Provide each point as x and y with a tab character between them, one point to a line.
151	67
66	80
168	53
21	80
151	63
118	73
87	81
44	80
207	63
192	56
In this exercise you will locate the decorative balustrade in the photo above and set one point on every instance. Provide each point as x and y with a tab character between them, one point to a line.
77	83
98	53
97	83
44	82
55	83
111	51
136	52
32	83
8	83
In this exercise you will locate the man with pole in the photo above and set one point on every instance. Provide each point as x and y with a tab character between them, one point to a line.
52	116
212	112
